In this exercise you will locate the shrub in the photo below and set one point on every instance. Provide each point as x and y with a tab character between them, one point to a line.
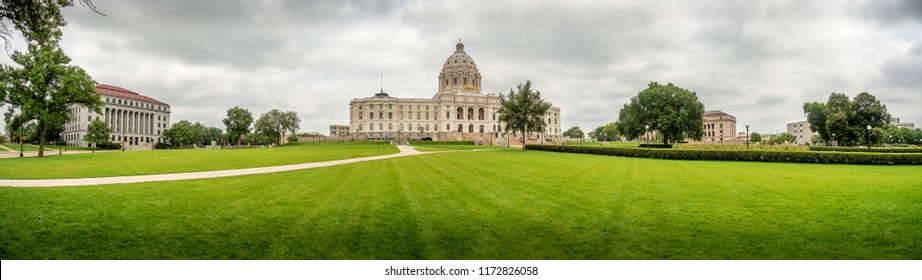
161	146
443	142
742	155
659	146
109	146
866	150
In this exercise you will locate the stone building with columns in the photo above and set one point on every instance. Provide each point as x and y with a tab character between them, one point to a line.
458	111
136	120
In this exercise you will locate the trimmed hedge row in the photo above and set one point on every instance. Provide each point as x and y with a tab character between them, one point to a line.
659	146
866	150
751	155
442	142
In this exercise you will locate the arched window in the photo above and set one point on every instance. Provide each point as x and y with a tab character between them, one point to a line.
470	113
448	126
447	115
401	126
427	127
481	128
390	126
480	115
465	81
460	128
470	128
460	114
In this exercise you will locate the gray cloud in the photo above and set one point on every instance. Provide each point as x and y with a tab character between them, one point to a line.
759	61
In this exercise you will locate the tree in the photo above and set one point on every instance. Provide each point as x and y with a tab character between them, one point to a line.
179	134
573	132
45	88
39	20
784	137
755	137
214	134
673	111
816	117
237	123
845	121
97	132
608	132
523	110
273	125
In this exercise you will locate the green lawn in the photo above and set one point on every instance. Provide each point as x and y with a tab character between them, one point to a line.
25	147
117	163
437	148
503	204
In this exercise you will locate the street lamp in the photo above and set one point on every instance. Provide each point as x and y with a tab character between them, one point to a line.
20	139
834	143
646	136
747	137
869	136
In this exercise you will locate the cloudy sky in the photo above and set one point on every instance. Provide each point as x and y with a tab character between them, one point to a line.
757	60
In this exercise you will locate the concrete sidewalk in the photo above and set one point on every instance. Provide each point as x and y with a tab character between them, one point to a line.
404	151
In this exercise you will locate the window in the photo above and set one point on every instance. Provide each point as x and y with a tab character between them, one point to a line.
417	107
389	106
380	115
494	117
380	126
447	126
401	114
465	81
360	107
418	116
446	82
447	115
361	115
390	115
427	127
390	126
380	106
371	115
360	127
427	115
427	107
455	81
401	126
89	118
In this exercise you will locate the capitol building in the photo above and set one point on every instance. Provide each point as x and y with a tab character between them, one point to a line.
458	111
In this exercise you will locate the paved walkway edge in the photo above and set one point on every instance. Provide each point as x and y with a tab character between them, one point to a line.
404	151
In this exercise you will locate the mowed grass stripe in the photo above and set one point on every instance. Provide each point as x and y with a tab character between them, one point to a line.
107	164
485	205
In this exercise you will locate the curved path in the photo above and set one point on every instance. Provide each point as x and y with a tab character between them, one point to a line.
404	151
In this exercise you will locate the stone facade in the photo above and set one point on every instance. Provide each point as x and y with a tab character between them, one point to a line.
137	121
896	122
458	111
719	127
339	130
801	131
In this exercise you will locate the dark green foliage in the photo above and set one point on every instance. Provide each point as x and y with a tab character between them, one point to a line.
574	132
237	124
109	146
845	121
161	146
523	110
423	143
672	111
741	155
659	146
865	150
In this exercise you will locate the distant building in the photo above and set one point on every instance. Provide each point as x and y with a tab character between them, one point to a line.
137	121
801	131
338	129
896	122
719	127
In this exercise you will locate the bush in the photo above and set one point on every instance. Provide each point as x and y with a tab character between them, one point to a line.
161	146
109	146
865	150
659	146
742	155
60	143
443	142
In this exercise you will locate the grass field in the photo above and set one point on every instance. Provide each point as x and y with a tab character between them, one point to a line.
503	204
437	148
25	147
117	163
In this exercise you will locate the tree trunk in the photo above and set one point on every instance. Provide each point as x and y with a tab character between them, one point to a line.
41	137
665	140
523	139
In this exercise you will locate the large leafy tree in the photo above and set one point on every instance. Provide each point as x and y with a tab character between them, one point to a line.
608	132
845	121
574	132
271	126
673	111
180	134
97	132
213	134
39	21
237	123
523	110
755	137
45	87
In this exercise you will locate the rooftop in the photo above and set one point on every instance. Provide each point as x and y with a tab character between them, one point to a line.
115	91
